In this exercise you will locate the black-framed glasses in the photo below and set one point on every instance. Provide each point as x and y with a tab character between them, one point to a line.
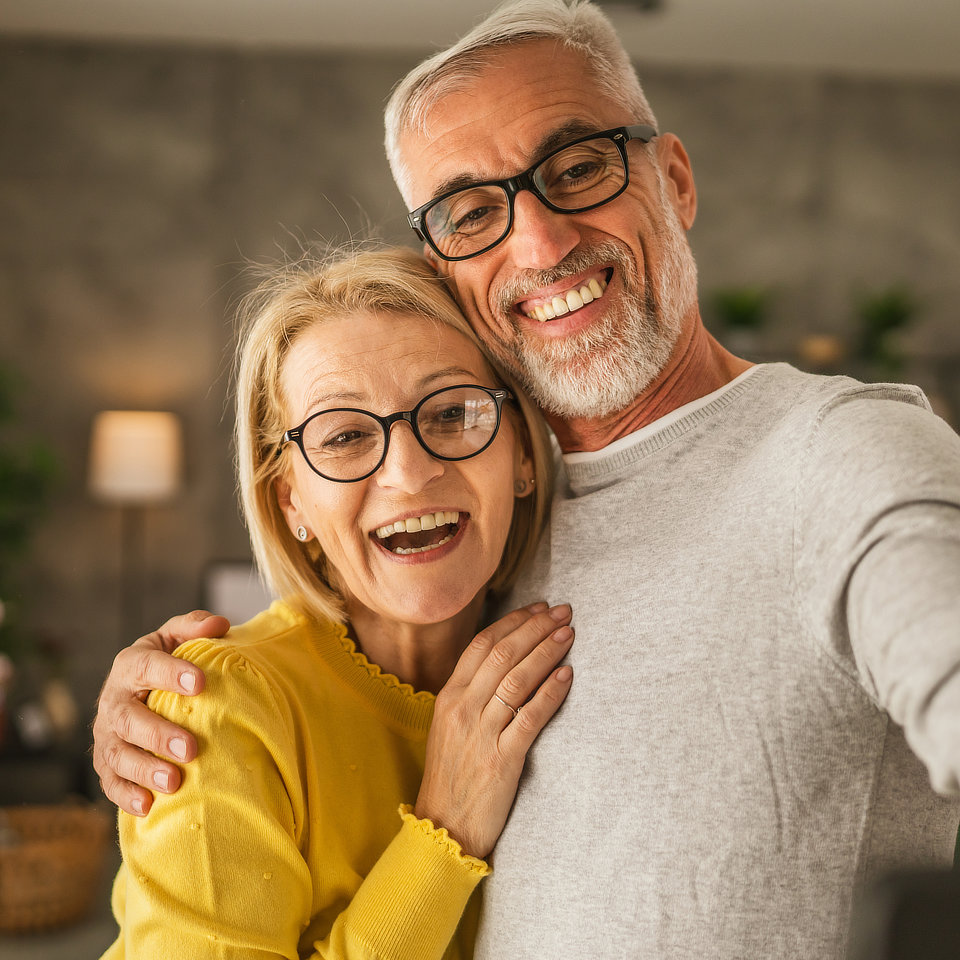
581	175
454	423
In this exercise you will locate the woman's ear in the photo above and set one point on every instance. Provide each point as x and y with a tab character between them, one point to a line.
523	472
289	503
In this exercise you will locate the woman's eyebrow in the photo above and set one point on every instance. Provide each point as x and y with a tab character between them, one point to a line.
431	378
321	399
353	398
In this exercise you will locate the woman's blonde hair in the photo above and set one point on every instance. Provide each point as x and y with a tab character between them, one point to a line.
395	280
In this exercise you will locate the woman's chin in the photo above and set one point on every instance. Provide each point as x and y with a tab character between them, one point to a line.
437	609
425	608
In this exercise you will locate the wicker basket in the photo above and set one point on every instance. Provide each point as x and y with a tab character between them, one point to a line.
51	860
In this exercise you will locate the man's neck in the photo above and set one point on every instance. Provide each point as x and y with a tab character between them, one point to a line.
698	366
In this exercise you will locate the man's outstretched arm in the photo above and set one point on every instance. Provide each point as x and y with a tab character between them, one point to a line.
129	740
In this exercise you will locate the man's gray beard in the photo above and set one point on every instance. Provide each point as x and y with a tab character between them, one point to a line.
604	368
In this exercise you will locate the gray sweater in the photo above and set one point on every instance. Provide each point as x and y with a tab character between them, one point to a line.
766	592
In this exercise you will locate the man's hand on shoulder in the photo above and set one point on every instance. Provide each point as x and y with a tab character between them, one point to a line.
129	740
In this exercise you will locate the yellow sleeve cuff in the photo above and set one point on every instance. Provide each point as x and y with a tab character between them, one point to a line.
411	902
440	836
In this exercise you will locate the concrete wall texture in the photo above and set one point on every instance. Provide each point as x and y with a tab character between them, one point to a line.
136	182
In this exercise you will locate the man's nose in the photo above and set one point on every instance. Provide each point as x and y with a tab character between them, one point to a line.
407	467
540	237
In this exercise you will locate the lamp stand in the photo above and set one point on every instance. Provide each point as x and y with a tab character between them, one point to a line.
131	572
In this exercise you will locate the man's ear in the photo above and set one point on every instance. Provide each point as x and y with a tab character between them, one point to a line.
441	268
681	188
431	257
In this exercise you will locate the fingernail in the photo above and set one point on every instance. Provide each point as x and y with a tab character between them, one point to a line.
137	805
564	674
563	634
162	779
188	682
560	612
537	607
178	747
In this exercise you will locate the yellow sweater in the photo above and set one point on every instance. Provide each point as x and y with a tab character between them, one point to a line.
284	839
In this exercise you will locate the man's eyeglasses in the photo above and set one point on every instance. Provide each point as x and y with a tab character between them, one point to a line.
346	445
582	175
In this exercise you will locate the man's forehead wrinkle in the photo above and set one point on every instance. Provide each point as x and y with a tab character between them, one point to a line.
438	132
568	130
480	131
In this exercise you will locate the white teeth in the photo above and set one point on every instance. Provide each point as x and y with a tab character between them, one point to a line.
404	551
572	300
429	521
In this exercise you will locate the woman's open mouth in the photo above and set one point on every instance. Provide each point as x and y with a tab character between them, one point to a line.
419	534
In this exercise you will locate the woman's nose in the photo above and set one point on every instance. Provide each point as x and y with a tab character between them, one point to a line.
407	465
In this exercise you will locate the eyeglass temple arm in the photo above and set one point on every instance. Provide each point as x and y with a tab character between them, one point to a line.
640	131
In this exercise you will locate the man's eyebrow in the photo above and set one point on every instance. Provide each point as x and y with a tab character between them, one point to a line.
562	135
559	137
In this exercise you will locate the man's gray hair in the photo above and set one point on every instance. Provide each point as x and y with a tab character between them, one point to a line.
577	24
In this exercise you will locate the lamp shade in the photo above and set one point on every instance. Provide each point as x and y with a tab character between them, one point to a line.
135	456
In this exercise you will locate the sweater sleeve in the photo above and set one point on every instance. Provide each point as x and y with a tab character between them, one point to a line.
880	562
411	902
218	869
215	869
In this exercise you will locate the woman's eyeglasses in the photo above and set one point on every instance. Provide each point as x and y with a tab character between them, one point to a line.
346	444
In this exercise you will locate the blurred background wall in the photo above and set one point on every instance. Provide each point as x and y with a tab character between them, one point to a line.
135	185
137	179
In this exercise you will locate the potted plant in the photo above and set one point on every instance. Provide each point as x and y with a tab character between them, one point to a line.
741	312
27	472
884	315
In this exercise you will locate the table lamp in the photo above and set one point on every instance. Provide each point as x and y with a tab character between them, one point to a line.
135	461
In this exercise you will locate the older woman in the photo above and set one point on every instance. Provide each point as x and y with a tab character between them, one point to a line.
390	479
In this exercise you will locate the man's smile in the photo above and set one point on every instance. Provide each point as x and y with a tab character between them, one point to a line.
564	302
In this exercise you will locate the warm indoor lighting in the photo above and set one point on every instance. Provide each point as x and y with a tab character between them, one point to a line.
135	456
135	461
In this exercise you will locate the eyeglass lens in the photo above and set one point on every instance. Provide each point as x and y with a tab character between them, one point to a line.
453	424
582	175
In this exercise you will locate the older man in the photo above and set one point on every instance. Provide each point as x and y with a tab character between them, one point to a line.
764	565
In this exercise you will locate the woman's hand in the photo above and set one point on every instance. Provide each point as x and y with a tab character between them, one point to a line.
502	693
125	728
